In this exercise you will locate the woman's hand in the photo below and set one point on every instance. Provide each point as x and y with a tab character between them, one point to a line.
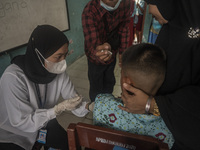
134	103
68	104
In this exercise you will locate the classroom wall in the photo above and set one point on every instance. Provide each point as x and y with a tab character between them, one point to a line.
75	8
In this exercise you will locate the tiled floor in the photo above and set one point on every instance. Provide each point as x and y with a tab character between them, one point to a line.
78	74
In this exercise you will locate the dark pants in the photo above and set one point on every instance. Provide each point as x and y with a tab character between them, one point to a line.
10	146
101	78
56	138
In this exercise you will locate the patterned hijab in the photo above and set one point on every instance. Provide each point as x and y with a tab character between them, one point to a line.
47	39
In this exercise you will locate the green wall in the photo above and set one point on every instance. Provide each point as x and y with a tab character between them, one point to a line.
75	8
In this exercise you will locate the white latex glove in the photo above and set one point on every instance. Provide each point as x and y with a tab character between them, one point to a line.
91	107
68	104
81	111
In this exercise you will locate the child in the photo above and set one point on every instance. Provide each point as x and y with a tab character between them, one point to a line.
143	66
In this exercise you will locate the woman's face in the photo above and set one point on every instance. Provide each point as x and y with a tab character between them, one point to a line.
60	54
156	13
110	3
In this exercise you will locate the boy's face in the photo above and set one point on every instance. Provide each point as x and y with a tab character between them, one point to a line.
110	3
146	83
122	79
125	79
135	79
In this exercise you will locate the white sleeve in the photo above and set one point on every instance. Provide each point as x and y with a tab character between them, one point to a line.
81	111
19	108
68	91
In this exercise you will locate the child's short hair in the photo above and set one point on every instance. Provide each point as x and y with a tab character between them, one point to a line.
148	61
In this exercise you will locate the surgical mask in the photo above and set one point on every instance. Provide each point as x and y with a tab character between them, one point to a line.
109	8
56	68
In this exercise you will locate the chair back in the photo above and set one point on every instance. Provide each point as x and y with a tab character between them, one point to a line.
100	138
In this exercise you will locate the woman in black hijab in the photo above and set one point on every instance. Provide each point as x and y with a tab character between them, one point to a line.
178	100
47	40
30	89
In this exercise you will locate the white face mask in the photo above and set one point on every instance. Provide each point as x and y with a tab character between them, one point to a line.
56	68
109	8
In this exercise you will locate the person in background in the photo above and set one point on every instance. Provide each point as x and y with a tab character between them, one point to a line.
131	37
106	32
177	101
138	20
30	88
143	67
154	31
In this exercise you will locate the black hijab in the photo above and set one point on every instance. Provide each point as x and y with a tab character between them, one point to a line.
47	39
